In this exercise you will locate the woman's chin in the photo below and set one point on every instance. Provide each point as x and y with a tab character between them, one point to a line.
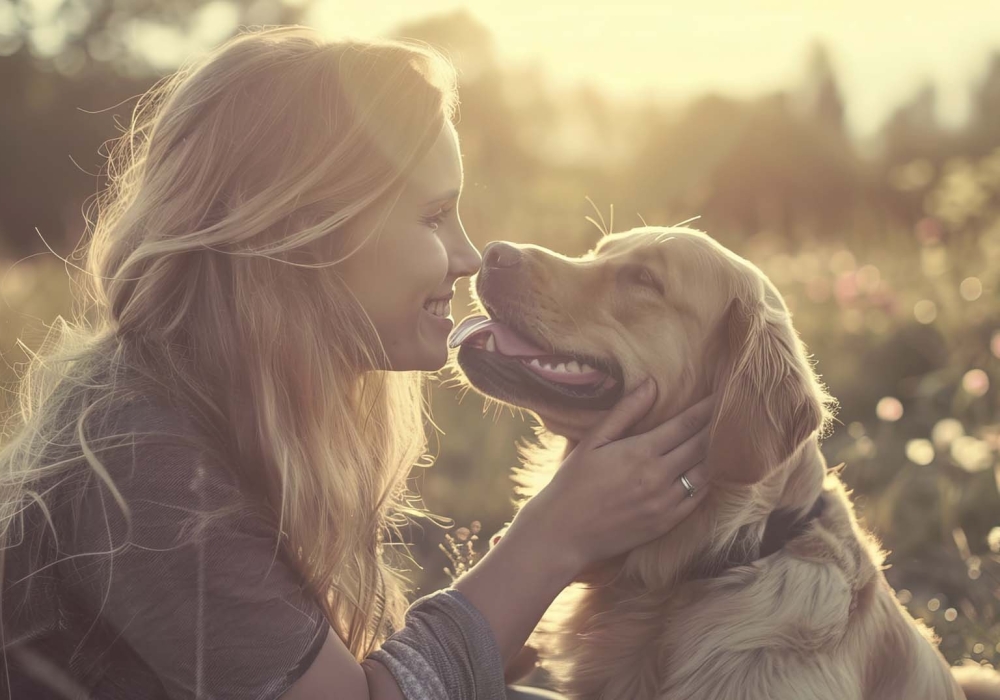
429	358
434	343
435	360
428	349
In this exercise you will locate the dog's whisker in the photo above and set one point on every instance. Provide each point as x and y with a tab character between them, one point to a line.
603	227
597	225
688	221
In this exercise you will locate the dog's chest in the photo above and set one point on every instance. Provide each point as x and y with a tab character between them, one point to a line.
738	636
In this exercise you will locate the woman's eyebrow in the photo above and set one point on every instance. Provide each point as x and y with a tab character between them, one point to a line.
448	195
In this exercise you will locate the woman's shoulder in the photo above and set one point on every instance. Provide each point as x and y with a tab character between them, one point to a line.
165	547
147	414
149	468
140	474
149	441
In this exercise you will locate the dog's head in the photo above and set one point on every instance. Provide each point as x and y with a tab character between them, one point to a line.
566	337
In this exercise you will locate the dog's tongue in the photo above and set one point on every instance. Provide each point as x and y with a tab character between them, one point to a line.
508	342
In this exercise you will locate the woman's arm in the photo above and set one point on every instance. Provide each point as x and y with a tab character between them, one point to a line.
336	674
608	496
514	584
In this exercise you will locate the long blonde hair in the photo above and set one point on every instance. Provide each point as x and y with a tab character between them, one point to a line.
210	274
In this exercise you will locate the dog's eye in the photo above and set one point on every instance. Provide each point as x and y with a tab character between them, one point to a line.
643	276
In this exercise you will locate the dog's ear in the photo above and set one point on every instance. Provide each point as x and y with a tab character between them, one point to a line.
769	398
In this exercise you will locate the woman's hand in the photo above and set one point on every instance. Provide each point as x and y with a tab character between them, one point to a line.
612	494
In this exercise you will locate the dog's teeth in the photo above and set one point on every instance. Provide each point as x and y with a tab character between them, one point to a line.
586	368
536	363
561	367
573	366
491	344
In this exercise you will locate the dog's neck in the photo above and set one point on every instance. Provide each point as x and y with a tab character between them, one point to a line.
804	482
729	526
786	497
793	488
800	502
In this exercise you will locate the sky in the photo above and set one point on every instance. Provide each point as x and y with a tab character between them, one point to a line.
883	50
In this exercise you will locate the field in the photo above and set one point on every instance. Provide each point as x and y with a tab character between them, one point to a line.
888	254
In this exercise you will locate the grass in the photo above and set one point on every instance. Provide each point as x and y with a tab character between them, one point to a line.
905	330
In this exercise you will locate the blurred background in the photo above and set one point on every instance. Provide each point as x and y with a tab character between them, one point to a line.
851	151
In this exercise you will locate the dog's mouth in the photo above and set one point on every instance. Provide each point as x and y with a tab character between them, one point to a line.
505	361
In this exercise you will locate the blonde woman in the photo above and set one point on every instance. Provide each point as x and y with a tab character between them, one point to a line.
208	463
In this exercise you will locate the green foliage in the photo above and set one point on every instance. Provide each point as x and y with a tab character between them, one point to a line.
889	262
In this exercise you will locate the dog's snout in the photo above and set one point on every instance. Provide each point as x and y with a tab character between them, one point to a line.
501	255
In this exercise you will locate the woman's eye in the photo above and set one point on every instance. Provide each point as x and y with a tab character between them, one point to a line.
435	219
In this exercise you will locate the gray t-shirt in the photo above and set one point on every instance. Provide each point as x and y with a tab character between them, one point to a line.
192	607
189	607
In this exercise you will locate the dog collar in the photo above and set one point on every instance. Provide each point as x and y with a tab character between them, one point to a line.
781	528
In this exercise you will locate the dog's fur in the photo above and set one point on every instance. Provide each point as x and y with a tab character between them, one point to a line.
815	620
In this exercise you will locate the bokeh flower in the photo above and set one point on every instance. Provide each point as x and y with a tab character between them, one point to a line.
889	409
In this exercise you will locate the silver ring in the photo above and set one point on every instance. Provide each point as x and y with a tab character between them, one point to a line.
688	486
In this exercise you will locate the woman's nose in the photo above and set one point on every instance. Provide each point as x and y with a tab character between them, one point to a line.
466	260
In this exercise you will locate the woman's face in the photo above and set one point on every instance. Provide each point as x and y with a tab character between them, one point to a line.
404	274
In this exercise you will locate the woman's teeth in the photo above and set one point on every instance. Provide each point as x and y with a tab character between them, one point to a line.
439	307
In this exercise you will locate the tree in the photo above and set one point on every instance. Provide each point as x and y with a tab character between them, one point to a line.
913	130
985	129
64	73
133	37
749	165
820	93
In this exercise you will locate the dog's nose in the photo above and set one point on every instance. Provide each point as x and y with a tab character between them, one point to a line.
500	254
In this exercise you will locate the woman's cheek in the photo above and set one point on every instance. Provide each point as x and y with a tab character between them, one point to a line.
436	264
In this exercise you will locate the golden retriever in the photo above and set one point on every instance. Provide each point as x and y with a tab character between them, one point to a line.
770	590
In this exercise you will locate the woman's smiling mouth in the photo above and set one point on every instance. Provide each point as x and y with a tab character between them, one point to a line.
440	310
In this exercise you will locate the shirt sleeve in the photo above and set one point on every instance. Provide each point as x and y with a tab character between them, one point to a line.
446	651
208	603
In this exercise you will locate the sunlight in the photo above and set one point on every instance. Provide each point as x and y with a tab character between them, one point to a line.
883	51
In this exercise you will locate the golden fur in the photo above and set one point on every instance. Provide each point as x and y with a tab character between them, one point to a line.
815	620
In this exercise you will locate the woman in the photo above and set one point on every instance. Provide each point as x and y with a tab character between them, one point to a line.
210	461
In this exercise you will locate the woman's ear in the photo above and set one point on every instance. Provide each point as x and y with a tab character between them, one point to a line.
769	398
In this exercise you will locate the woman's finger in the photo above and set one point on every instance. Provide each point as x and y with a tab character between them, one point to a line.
681	506
686	456
629	409
696	476
668	435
